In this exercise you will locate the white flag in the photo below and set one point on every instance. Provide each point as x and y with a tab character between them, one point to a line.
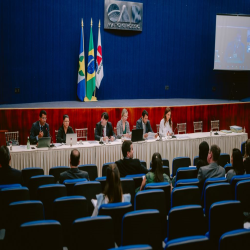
99	62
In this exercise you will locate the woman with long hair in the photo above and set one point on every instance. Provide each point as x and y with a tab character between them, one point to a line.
156	174
166	123
123	125
203	152
63	130
112	191
247	157
237	163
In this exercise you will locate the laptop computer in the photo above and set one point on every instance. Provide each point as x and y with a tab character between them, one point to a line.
74	139
44	142
137	135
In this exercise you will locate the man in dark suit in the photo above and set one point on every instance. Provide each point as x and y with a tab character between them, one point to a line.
104	129
212	170
8	175
40	128
144	123
129	165
74	172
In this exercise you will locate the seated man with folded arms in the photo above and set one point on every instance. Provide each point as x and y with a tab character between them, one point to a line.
144	123
104	129
74	172
39	128
128	165
8	175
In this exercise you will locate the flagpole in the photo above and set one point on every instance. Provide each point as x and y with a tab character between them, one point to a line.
99	26
83	54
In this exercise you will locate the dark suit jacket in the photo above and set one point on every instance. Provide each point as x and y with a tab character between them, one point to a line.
247	165
35	129
61	136
73	173
98	130
148	126
10	175
130	166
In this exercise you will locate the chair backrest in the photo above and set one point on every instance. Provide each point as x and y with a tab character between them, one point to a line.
128	187
182	128
12	136
42	234
83	237
228	167
215	125
237	178
10	186
234	239
56	171
243	148
116	211
185	195
198	126
47	194
102	180
29	172
137	179
223	159
192	215
196	159
143	163
38	180
67	209
89	190
70	183
242	194
82	133
135	227
216	192
187	182
179	162
104	168
157	128
192	242
133	247
91	169
222	221
186	173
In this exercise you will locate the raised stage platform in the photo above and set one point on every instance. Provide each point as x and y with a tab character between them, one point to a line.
19	117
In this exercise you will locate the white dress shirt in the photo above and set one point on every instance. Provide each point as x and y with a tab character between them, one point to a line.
164	129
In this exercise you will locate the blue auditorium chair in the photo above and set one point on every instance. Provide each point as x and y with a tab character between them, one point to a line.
143	163
179	162
9	186
224	216
38	180
195	161
137	179
56	171
223	159
165	170
92	233
185	195
187	182
184	221
67	209
186	173
236	239
88	189
192	242
242	194
142	227
128	187
133	247
237	178
91	169
104	168
228	167
47	194
102	180
18	213
40	235
116	211
29	172
70	183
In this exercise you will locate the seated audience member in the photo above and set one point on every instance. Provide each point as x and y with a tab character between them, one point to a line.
128	165
123	125
113	189
64	129
144	123
104	129
237	163
39	128
247	157
8	175
166	124
212	170
74	172
156	173
203	153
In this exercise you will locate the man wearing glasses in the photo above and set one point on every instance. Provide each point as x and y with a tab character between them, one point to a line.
40	128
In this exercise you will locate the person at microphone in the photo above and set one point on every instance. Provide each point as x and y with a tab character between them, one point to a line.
63	130
166	124
104	129
40	128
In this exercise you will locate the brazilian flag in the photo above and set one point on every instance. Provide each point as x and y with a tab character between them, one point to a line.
91	68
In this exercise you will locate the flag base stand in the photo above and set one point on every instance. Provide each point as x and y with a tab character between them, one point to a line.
93	99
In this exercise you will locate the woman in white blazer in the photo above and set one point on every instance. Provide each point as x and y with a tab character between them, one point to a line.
166	124
123	125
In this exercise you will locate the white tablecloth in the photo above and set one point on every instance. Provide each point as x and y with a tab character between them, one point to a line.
94	153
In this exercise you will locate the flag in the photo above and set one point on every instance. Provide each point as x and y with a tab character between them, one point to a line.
91	67
81	71
99	62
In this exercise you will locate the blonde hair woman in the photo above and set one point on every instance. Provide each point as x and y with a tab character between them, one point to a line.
123	125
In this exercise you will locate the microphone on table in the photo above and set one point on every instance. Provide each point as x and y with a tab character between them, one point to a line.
52	144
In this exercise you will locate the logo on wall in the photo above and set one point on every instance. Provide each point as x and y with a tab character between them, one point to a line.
122	15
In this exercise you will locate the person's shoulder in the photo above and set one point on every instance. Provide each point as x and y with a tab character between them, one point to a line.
65	173
35	124
98	124
109	124
119	123
139	120
230	172
84	172
16	171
